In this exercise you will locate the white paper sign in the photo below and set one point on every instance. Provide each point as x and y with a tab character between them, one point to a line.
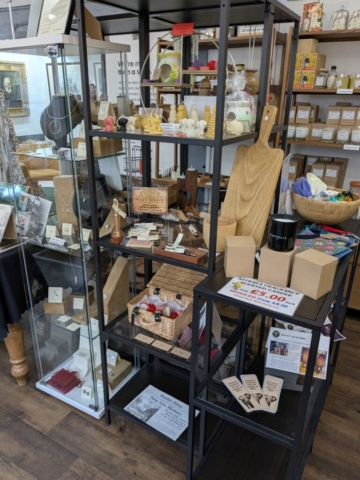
276	299
289	350
303	114
55	295
78	304
81	150
112	357
57	241
86	234
352	147
344	91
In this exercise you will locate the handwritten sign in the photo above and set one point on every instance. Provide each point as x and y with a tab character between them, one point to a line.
150	200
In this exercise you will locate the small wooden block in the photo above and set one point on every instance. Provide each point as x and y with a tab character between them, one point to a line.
200	258
115	374
58	308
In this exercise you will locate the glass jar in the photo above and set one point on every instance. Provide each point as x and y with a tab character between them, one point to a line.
343	135
321	77
332	77
355	136
357	81
328	135
339	19
342	81
301	132
291	132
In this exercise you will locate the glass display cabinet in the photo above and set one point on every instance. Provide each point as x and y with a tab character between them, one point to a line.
47	186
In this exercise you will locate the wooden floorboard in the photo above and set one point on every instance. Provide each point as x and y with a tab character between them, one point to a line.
41	438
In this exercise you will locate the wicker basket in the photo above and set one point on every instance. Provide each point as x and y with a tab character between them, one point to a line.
170	283
327	213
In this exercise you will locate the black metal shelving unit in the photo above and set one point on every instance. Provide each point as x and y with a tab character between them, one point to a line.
293	428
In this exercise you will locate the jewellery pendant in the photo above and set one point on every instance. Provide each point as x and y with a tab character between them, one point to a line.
55	127
67	211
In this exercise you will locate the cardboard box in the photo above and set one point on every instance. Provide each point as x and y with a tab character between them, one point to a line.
307	79
300	159
348	116
357	119
318	169
297	79
299	61
275	267
103	146
314	113
316	131
332	174
292	115
313	273
291	132
115	374
239	256
308	45
333	115
313	62
343	104
325	159
310	160
303	115
58	308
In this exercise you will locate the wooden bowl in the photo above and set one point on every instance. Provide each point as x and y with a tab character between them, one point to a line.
226	227
327	213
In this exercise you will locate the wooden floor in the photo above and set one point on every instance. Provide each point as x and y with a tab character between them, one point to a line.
42	438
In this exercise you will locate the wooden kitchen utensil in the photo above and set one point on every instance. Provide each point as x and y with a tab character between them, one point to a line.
253	182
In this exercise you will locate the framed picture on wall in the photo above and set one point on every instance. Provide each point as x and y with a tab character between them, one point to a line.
72	72
14	83
55	17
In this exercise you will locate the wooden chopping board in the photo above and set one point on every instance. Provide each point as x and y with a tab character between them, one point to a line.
253	182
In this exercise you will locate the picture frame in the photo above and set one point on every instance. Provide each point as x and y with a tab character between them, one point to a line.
13	81
73	76
55	17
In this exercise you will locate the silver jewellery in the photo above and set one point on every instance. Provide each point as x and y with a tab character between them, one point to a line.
55	125
73	270
66	209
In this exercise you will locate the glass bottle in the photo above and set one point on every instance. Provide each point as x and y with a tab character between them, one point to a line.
331	79
342	81
357	81
321	78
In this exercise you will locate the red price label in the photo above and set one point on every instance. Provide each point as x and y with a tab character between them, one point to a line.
182	29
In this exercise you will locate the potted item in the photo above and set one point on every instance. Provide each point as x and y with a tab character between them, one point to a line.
252	81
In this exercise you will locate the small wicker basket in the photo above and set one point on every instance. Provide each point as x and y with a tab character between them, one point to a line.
171	284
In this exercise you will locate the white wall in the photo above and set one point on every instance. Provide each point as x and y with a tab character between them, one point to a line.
345	55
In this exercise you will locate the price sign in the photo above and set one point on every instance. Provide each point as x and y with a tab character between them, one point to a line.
355	148
277	299
182	29
344	91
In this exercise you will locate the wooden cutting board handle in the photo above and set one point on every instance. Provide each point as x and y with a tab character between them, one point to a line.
267	123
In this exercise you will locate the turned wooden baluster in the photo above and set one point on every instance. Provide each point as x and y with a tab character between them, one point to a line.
15	346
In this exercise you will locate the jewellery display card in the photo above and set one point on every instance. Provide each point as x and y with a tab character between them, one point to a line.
86	235
67	229
112	357
246	400
78	304
51	231
161	411
289	350
55	295
56	16
81	150
5	214
150	200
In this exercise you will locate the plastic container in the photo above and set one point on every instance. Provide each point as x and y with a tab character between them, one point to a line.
355	187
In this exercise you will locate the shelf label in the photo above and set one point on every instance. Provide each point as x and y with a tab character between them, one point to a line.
57	241
182	29
213	83
344	91
355	148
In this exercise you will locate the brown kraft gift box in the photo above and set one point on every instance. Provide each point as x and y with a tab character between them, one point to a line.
275	267
348	116
64	197
333	115
239	256
316	132
313	273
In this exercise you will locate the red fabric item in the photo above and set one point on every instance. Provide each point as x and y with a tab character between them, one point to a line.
64	381
333	230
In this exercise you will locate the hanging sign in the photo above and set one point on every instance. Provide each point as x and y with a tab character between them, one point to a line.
180	29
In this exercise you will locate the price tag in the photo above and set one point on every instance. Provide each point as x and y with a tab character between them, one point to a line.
78	304
180	29
162	346
73	327
354	148
156	74
144	339
82	129
344	91
213	83
57	241
67	229
51	231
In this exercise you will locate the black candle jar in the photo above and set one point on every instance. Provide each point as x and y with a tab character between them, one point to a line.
282	232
